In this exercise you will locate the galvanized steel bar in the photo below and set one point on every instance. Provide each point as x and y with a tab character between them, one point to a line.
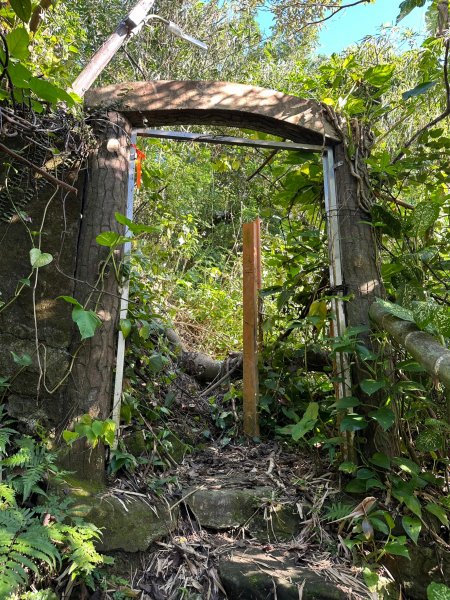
120	359
183	136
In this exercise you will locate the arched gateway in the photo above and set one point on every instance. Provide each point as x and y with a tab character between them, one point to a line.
118	111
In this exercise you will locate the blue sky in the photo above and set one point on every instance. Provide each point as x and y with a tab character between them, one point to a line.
354	23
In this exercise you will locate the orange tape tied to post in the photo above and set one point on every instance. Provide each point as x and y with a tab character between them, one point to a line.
139	158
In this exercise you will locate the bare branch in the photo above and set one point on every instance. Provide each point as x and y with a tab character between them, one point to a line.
334	13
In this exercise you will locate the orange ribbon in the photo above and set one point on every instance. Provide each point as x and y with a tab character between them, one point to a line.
139	157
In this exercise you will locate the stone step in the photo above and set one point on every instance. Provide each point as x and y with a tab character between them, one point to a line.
254	575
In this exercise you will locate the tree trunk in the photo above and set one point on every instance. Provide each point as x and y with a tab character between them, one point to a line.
360	268
92	376
361	273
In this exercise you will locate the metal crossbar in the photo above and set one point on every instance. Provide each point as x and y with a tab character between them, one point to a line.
225	140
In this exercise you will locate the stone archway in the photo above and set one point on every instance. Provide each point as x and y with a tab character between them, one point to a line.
116	111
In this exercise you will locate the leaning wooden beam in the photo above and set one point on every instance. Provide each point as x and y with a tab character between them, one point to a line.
41	172
422	346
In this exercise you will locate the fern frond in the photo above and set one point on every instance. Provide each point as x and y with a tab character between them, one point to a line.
337	511
24	542
7	496
27	482
5	438
21	458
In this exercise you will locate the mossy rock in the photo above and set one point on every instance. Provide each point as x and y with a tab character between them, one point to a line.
126	524
264	518
255	576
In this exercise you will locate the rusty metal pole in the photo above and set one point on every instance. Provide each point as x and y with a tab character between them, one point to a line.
250	330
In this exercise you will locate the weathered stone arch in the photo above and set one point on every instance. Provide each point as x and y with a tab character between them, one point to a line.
155	103
115	111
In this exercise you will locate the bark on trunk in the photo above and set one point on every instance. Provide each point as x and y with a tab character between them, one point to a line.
92	376
360	267
361	273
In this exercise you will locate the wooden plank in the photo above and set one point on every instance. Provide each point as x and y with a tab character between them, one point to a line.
250	331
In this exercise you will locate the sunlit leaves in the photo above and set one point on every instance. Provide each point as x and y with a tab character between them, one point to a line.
87	320
424	216
110	239
379	75
412	527
18	40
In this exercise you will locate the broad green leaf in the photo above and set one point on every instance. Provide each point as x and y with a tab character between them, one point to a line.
353	423
24	361
86	320
347	402
18	40
438	512
135	228
370	578
383	416
355	106
109	430
20	75
125	327
70	300
379	525
379	75
407	6
422	88
441	321
380	460
397	549
49	92
365	473
111	239
430	440
371	386
97	427
412	526
307	422
157	362
424	216
22	8
438	591
356	486
407	465
347	467
70	436
396	310
413	504
39	259
374	483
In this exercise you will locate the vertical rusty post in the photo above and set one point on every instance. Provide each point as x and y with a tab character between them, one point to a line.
257	224
250	329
